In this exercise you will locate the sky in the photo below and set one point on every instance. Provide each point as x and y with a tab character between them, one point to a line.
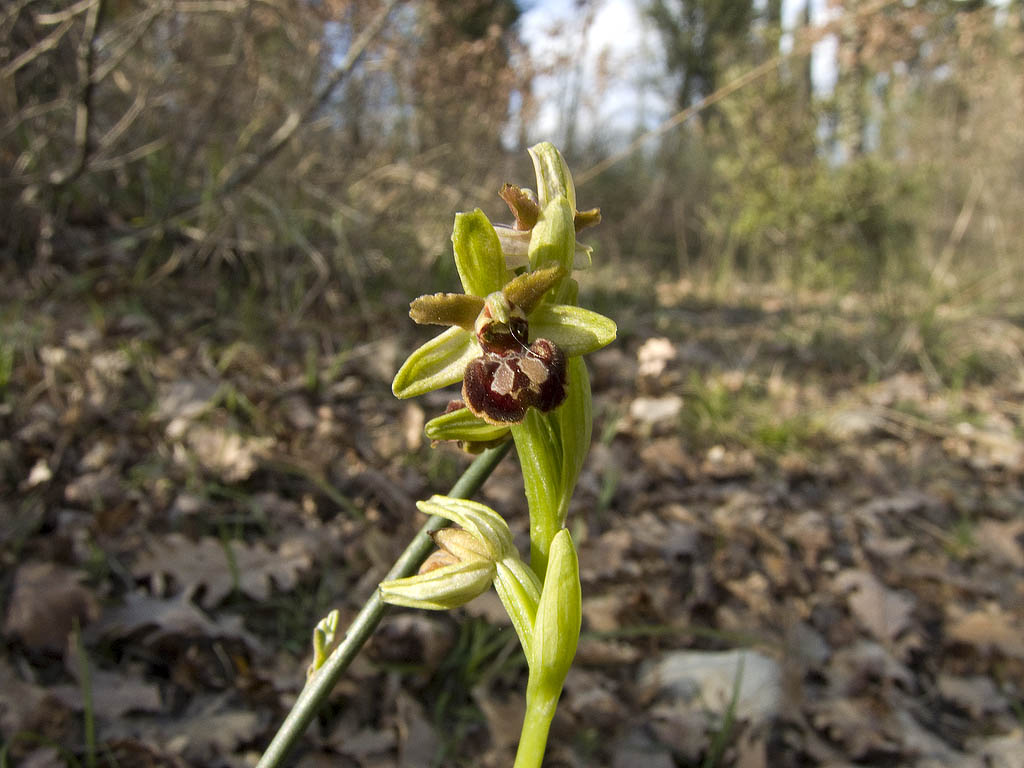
618	47
614	47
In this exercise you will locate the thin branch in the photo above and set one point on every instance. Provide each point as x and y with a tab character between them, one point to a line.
45	45
31	113
125	45
131	156
83	110
49	19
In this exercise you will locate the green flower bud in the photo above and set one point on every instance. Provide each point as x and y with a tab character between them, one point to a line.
554	237
324	635
553	177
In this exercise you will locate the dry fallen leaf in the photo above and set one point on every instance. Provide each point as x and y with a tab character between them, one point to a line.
28	708
46	604
157	619
987	630
708	680
1003	541
976	695
862	726
1005	751
884	612
656	410
206	563
114	694
230	456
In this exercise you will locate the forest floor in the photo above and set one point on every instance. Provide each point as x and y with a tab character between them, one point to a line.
801	535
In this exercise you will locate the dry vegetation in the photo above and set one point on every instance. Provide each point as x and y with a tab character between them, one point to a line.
800	529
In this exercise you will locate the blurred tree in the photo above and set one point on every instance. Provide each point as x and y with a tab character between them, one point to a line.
701	36
246	132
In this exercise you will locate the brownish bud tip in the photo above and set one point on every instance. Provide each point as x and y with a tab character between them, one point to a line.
584	219
522	204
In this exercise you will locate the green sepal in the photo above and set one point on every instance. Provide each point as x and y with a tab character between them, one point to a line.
459	309
576	330
478	256
442	588
553	176
556	631
519	590
463	425
438	363
553	239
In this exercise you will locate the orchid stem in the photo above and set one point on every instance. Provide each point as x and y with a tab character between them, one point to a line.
320	685
533	740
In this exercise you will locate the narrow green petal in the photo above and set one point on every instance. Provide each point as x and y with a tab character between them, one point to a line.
446	309
478	254
576	330
438	363
463	425
442	588
528	289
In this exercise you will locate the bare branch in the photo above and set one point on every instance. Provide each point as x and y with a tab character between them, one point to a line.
130	157
83	111
49	19
125	45
48	43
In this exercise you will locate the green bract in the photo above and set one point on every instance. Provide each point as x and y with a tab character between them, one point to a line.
557	626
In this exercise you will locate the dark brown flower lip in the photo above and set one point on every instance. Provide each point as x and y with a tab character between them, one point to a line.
500	387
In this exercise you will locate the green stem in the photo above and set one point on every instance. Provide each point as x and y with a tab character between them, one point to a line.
534	738
319	686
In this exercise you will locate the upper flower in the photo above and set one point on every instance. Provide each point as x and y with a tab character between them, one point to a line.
494	305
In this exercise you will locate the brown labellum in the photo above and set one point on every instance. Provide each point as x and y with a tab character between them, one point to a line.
498	387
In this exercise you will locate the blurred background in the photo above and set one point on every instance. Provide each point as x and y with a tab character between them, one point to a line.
807	464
